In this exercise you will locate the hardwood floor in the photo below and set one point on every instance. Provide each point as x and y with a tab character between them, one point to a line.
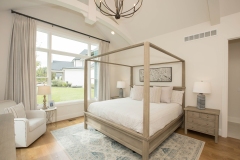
47	148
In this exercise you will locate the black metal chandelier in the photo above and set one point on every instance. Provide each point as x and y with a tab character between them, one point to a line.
119	8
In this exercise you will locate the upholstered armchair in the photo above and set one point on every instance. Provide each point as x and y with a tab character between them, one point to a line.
28	129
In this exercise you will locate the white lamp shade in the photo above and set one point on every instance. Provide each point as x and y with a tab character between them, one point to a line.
44	90
201	87
120	84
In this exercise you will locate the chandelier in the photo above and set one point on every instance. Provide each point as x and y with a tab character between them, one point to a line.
102	5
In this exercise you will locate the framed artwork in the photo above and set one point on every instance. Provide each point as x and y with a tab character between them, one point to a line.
163	74
51	104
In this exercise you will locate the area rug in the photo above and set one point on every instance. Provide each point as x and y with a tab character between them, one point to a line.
81	144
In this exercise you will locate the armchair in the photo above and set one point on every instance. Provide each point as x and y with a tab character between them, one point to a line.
27	130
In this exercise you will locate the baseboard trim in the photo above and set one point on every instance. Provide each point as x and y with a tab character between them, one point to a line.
69	116
234	119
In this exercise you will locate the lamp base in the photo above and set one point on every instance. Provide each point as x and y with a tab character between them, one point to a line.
120	93
44	102
201	101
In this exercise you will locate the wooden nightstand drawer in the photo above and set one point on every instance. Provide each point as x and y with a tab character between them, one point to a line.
201	129
207	116
207	130
192	120
201	122
193	114
206	123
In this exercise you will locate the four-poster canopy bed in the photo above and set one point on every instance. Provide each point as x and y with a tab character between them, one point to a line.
144	143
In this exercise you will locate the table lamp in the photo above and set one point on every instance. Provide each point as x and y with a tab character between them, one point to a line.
201	87
120	85
44	90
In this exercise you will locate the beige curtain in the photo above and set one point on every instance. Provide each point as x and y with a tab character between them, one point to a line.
21	83
104	79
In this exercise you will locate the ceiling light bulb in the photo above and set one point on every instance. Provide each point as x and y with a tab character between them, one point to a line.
112	32
134	4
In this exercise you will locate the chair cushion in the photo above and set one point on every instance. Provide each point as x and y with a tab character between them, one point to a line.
35	123
17	111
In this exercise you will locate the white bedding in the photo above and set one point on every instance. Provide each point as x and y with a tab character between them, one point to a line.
129	113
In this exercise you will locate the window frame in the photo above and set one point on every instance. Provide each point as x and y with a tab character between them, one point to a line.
69	35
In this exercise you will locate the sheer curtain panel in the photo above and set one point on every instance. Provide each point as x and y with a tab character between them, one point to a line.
104	79
21	83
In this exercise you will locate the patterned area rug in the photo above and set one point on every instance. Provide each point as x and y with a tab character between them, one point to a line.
81	144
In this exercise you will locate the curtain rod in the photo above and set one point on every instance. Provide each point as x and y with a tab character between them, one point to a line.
59	26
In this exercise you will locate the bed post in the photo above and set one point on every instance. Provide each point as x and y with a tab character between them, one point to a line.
131	77
85	92
145	151
183	85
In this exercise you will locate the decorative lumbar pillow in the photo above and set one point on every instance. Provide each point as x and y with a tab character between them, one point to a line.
17	111
166	94
177	97
155	94
137	93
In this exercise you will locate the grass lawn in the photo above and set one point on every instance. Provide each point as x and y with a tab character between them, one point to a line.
60	94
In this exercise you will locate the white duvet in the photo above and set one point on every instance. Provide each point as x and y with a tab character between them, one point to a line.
129	113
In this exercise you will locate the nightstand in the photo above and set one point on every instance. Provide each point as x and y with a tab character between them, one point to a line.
204	121
50	113
115	97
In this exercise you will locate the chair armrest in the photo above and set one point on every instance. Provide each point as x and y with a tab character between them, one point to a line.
21	127
22	123
36	114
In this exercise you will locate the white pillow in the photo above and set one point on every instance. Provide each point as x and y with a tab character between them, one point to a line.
17	111
166	94
177	97
155	94
137	93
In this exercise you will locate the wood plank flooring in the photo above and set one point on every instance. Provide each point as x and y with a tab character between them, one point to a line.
47	148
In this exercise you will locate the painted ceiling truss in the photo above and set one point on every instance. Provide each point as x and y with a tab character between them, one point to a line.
91	15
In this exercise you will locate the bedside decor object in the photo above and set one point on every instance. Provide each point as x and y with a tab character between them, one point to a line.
163	74
44	90
51	104
120	85
204	121
201	87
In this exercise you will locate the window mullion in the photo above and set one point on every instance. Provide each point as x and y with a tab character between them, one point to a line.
49	63
89	72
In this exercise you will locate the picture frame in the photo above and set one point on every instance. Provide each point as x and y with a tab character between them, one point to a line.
51	104
162	74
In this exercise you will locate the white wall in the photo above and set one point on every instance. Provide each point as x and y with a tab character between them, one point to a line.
234	81
206	59
55	15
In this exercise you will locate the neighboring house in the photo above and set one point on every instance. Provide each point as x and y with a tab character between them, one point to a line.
72	72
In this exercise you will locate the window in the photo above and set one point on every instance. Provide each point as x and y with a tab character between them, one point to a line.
94	73
60	64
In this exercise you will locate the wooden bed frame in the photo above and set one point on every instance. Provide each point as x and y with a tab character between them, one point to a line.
140	143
